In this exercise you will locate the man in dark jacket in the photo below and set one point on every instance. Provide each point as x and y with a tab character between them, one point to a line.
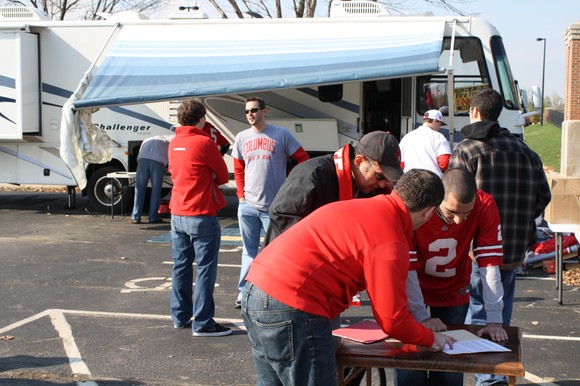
505	167
370	168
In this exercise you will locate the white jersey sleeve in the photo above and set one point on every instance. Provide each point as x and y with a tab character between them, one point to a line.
415	299
492	293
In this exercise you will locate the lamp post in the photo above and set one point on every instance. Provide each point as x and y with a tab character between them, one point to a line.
543	76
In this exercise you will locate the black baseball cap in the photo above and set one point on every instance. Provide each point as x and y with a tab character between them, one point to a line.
383	147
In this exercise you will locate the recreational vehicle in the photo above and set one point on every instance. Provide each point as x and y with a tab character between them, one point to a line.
78	98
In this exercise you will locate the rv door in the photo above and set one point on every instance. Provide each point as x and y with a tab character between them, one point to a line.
19	85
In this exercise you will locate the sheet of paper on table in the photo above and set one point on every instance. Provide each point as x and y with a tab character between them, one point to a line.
468	343
365	331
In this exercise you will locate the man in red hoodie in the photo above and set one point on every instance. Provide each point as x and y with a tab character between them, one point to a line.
197	169
308	275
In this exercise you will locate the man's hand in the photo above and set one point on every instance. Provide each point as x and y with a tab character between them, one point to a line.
441	340
434	324
495	331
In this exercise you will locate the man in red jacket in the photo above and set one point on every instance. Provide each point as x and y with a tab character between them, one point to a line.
197	169
308	275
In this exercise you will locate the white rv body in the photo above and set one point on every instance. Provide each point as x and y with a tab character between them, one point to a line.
48	58
42	63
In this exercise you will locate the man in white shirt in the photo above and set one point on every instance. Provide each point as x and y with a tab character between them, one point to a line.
425	147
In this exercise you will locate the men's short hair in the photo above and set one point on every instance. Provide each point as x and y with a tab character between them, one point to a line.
420	189
260	101
489	103
190	112
461	184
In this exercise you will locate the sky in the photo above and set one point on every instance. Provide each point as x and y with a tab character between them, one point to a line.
519	23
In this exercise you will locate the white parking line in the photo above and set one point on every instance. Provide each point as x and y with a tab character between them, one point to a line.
539	380
77	364
62	327
551	337
550	278
79	367
219	265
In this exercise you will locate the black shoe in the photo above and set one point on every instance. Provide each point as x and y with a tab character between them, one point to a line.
186	325
158	221
216	330
238	303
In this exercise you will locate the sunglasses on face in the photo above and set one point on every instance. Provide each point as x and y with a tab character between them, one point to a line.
252	110
380	176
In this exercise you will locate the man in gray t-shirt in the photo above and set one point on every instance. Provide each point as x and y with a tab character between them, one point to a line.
260	154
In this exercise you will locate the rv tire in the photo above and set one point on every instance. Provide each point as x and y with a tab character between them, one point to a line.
100	189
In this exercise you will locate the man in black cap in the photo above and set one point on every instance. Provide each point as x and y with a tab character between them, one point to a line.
370	168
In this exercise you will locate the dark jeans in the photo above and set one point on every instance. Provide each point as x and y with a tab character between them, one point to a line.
477	315
194	238
289	347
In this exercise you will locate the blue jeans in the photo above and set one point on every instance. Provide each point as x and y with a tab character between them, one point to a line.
194	238
477	315
289	347
148	169
448	315
251	222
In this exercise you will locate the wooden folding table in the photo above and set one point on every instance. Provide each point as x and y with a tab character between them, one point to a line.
393	354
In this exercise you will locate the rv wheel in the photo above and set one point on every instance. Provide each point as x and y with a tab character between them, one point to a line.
102	190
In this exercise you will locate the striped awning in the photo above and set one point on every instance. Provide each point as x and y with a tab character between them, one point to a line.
156	61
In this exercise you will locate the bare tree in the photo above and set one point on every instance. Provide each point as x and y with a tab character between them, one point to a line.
93	9
219	9
307	8
557	102
56	9
446	4
89	9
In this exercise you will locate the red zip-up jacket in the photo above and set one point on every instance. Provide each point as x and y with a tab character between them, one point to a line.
197	169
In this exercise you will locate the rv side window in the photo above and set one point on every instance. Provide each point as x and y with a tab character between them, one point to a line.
504	74
330	93
470	75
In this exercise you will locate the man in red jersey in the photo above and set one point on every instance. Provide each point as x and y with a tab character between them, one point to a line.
467	219
308	274
222	143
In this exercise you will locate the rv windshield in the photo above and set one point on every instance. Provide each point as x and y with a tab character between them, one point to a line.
504	74
470	75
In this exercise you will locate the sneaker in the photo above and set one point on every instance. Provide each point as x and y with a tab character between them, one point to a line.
216	330
135	221
238	302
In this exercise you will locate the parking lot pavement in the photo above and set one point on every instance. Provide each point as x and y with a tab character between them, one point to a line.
85	299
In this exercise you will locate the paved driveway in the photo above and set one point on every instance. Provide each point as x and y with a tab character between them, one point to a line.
84	300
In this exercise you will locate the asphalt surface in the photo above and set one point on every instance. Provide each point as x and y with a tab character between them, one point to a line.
84	300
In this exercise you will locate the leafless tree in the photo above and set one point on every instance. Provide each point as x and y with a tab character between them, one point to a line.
89	9
96	8
557	102
93	9
56	9
307	8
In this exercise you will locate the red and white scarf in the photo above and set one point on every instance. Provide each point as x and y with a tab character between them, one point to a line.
344	173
